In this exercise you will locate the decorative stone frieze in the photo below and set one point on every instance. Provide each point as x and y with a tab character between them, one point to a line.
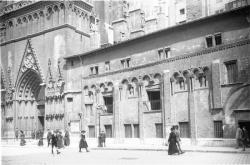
10	88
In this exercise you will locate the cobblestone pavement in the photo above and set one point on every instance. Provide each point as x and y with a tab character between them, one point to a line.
42	156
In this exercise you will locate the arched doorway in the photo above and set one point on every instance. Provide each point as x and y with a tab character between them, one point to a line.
30	108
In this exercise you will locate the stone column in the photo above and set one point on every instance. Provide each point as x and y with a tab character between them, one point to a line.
167	118
216	86
140	110
192	111
117	98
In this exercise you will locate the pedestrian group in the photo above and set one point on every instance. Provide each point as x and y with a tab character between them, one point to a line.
242	137
174	146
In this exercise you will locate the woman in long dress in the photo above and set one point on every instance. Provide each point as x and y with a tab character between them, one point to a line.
59	140
83	143
172	140
22	136
66	138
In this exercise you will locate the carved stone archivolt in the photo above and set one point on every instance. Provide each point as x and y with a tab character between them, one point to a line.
30	61
3	80
199	77
30	77
10	88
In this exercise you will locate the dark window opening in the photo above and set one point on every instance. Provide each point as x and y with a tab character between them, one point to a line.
184	130
232	71
40	106
154	98
72	63
182	11
108	130
128	63
70	99
108	101
91	70
209	41
136	131
218	40
159	130
218	131
91	131
128	130
96	70
107	66
167	52
125	63
161	54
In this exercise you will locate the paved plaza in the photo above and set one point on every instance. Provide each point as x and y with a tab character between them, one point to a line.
33	155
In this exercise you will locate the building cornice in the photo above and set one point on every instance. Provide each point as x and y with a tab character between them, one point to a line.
236	12
185	56
43	32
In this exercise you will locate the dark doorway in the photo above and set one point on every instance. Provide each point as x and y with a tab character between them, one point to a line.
247	125
40	122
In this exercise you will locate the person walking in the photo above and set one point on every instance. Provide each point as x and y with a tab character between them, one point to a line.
83	143
54	142
103	139
245	138
40	141
238	137
59	141
22	137
172	148
49	136
66	138
178	139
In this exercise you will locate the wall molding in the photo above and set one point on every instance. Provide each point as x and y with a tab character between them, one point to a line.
43	32
181	57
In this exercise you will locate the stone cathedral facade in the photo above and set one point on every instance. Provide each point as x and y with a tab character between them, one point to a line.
56	75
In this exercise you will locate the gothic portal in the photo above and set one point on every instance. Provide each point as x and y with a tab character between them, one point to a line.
30	94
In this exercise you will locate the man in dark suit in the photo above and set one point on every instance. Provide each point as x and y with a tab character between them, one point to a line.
245	137
54	142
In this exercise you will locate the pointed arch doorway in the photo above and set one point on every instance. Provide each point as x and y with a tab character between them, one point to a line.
30	107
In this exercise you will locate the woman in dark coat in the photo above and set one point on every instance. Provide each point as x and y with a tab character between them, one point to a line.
22	136
66	138
83	143
172	140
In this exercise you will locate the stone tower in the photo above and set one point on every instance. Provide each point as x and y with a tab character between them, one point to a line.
35	36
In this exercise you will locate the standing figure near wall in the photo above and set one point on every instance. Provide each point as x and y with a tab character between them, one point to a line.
238	137
22	136
66	138
59	140
40	142
83	143
245	138
172	148
103	139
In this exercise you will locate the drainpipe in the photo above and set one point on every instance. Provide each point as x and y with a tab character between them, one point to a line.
81	76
